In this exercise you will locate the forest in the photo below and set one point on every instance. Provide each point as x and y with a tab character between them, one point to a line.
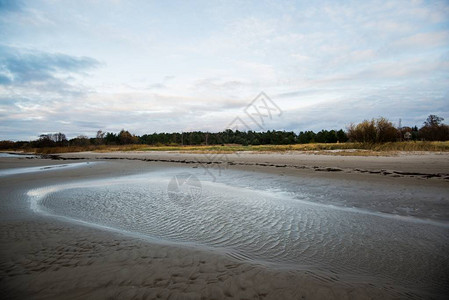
379	130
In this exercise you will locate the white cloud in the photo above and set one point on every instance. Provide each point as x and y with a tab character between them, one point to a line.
195	66
424	40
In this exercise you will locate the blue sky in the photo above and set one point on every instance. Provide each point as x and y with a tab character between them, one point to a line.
163	66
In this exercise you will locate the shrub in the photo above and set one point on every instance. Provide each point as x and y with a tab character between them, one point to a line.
374	131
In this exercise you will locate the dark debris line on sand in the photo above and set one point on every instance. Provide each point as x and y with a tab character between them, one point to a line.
393	173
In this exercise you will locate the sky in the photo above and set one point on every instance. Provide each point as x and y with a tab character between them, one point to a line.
170	66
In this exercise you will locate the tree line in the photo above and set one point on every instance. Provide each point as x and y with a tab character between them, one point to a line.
382	130
378	130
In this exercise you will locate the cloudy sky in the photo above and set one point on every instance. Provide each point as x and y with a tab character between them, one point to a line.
163	66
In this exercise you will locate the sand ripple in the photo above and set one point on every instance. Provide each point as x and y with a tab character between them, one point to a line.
265	224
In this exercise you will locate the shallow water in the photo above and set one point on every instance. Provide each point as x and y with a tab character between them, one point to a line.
12	155
18	171
292	223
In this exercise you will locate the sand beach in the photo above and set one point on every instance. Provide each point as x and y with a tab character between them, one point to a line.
56	252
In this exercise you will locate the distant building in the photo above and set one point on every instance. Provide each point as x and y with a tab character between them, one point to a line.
407	136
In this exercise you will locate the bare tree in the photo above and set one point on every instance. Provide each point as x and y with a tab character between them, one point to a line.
434	129
433	121
58	137
99	140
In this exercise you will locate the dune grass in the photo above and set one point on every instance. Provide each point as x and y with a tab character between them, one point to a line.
346	148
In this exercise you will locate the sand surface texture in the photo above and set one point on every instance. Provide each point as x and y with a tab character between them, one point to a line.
49	256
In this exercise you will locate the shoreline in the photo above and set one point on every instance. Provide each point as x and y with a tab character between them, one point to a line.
421	166
43	257
424	165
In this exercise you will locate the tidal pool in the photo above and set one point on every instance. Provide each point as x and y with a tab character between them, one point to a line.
394	236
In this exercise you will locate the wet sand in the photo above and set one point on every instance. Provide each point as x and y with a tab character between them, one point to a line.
46	257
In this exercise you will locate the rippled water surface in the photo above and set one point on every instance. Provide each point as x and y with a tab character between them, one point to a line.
290	223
